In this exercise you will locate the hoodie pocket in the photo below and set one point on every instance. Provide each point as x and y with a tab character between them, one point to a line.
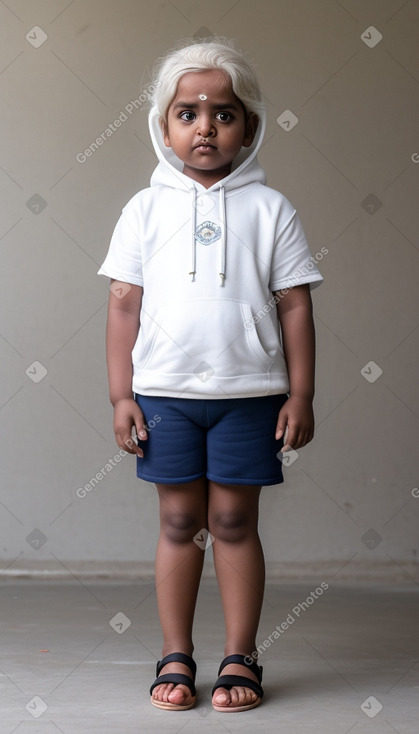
218	332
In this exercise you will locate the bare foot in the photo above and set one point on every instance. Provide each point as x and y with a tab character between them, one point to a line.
238	695
178	694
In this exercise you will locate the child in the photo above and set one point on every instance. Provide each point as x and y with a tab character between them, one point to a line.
210	258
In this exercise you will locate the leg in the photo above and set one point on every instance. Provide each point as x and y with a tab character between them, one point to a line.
183	512
240	569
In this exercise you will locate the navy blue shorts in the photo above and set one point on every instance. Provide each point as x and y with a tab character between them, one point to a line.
230	441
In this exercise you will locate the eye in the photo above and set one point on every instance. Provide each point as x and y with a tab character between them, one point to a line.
225	116
187	115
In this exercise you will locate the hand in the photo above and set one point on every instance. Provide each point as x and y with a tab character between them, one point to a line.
126	415
295	423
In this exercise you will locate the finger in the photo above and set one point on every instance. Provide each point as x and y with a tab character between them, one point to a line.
141	429
281	426
140	424
291	439
304	437
126	442
135	449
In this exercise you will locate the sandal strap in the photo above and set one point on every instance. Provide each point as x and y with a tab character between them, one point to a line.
256	669
175	678
228	681
177	657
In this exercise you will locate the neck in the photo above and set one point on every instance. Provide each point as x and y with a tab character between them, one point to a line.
207	178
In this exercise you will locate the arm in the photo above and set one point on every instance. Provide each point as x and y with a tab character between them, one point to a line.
121	332
295	313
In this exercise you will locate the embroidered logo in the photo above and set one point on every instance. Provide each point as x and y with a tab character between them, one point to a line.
207	233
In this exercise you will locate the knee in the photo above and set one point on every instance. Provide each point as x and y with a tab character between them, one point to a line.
230	527
179	527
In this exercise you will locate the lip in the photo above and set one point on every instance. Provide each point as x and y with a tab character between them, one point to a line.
204	146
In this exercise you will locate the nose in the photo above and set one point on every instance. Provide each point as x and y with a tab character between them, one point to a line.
206	127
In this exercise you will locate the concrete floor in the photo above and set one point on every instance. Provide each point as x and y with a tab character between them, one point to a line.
80	657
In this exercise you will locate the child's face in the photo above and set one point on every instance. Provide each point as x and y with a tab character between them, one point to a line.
205	107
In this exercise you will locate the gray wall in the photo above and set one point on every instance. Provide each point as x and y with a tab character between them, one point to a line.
348	509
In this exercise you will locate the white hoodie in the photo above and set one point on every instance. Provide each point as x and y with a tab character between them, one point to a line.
208	261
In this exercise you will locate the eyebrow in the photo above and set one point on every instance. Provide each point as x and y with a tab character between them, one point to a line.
219	106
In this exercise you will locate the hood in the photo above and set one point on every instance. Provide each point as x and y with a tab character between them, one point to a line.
245	171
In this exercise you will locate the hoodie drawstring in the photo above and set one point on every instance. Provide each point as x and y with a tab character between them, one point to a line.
222	214
192	271
223	241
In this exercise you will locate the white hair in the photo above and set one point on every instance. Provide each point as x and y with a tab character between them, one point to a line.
213	54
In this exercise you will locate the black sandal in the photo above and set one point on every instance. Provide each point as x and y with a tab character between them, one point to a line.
176	678
228	681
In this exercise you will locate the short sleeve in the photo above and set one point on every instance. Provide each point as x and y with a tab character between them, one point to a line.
292	262
123	261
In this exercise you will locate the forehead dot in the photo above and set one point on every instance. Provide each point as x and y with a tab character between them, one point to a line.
202	96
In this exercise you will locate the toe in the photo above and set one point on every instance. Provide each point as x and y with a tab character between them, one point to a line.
241	696
250	695
169	693
235	695
161	692
221	697
179	694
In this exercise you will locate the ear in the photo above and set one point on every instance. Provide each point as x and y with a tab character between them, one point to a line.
165	132
252	123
